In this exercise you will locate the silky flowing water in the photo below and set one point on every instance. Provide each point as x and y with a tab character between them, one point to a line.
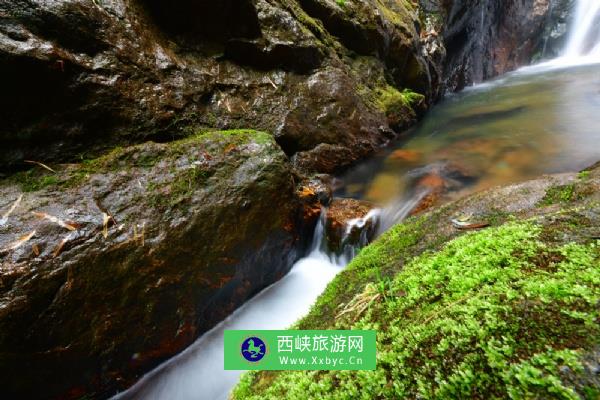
541	119
518	127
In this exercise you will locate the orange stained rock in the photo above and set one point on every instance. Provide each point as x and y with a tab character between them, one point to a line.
306	192
432	181
406	155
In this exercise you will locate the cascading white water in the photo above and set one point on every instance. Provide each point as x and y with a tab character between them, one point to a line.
584	41
198	373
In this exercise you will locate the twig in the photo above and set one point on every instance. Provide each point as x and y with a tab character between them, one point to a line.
40	164
11	210
271	82
56	220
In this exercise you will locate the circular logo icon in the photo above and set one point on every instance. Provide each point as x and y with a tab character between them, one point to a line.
253	349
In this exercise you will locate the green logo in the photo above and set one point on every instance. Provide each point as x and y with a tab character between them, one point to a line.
300	350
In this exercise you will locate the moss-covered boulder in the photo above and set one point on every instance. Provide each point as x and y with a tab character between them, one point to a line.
511	311
113	265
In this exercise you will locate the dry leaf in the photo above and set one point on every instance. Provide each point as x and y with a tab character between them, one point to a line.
105	219
59	248
62	243
36	250
306	192
20	242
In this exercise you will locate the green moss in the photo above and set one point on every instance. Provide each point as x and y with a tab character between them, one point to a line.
493	314
179	189
34	180
559	194
143	156
240	136
583	175
391	100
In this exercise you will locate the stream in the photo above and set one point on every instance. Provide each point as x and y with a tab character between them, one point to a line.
537	120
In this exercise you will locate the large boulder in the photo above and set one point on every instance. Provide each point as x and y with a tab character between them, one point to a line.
81	76
114	265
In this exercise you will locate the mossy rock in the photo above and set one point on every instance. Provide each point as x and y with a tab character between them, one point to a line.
506	312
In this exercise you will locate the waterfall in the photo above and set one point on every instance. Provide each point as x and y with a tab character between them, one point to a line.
584	40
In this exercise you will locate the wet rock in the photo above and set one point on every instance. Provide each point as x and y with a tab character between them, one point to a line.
314	194
486	38
110	267
80	77
406	156
346	224
383	28
435	181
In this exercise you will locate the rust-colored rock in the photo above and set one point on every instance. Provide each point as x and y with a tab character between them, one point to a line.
340	214
437	180
407	156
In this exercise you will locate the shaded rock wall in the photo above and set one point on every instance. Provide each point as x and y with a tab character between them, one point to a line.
486	38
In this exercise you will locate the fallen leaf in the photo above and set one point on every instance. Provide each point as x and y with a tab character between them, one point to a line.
11	210
105	219
306	192
62	243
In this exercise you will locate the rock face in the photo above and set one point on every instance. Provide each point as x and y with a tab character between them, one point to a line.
485	38
80	76
111	267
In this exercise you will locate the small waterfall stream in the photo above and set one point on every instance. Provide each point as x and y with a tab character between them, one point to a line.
198	374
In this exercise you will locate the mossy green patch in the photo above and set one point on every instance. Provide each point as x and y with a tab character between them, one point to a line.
391	100
179	189
559	194
583	175
142	156
34	179
493	314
